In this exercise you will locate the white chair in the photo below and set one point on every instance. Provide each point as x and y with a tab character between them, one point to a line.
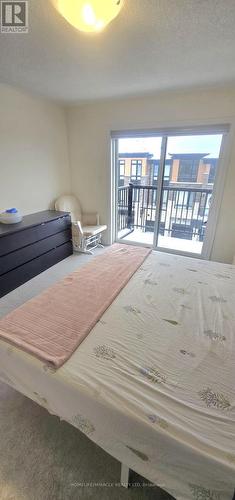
86	229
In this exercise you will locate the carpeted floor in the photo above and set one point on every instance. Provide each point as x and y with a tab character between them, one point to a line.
42	458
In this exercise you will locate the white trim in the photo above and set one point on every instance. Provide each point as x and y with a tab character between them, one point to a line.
159	132
115	189
110	196
113	192
159	189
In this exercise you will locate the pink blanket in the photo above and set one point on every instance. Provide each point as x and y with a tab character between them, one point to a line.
52	325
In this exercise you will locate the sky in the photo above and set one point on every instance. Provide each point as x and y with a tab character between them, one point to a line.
179	144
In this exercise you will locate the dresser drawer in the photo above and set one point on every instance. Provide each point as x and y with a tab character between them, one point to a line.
24	237
20	275
23	255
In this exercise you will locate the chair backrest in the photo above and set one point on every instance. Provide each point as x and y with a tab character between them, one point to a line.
69	203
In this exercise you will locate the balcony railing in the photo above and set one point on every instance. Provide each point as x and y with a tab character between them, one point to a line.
184	210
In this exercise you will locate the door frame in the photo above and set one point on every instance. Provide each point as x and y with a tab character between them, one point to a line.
159	190
218	187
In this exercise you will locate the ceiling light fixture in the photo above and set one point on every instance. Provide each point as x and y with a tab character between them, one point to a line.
88	15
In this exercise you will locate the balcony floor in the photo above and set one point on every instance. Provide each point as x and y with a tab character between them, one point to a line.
178	244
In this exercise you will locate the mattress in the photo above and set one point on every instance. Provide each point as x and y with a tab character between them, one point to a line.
153	383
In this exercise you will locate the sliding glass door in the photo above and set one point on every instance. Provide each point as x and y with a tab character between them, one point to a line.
190	168
164	189
137	168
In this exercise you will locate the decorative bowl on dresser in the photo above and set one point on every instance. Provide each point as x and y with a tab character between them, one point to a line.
32	246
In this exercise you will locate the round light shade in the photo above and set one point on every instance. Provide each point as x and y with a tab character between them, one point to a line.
88	15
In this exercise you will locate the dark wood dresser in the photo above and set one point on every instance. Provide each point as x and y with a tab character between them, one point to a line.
32	246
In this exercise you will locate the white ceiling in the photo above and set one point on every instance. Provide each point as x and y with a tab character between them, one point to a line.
152	45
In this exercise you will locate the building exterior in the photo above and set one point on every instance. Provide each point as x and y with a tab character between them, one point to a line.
186	169
135	168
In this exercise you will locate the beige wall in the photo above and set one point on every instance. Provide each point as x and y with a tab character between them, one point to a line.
34	166
89	128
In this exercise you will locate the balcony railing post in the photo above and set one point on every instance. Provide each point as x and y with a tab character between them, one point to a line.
130	200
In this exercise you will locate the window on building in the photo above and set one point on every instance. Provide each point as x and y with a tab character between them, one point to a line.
136	169
191	200
121	168
167	172
121	172
164	199
188	170
155	172
212	172
185	199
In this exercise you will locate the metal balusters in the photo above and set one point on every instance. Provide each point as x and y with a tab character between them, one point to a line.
184	211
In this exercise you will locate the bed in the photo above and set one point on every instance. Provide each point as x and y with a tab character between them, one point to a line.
153	383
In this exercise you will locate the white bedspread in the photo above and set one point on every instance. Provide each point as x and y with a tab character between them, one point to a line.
154	382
